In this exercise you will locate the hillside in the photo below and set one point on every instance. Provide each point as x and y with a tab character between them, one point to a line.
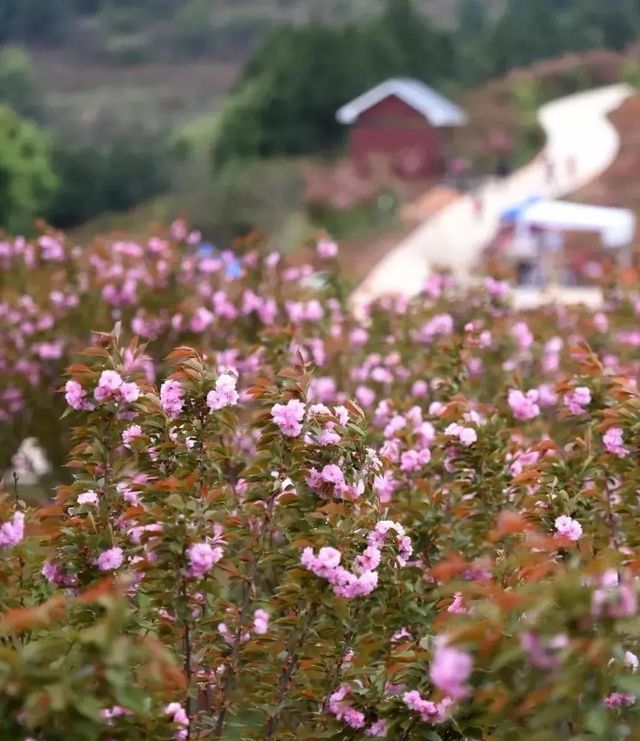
178	63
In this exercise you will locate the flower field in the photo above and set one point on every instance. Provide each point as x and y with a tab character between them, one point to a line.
275	520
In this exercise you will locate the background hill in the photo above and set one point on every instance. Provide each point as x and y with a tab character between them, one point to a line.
129	102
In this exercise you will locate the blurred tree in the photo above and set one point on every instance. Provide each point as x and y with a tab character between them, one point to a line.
114	173
472	18
414	47
27	181
34	20
618	21
17	83
288	95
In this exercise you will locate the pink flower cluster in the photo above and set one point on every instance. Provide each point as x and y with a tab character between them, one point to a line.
117	711
180	718
130	434
260	622
224	394
568	528
12	531
110	560
172	397
466	435
617	700
450	669
345	584
578	399
365	579
202	558
340	706
112	386
88	497
75	395
614	599
429	712
288	417
543	653
457	606
524	405
614	443
326	248
331	478
328	435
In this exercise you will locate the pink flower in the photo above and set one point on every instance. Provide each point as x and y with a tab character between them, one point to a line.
75	395
260	622
369	560
457	607
179	717
130	434
430	712
450	669
466	435
88	497
353	718
577	399
288	417
522	405
108	383
332	474
541	653
619	700
615	600
613	442
110	560
171	397
326	248
377	729
224	394
116	711
130	392
340	706
522	335
202	558
12	532
568	528
385	486
631	660
498	289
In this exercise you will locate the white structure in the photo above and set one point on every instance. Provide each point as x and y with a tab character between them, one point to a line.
439	111
616	226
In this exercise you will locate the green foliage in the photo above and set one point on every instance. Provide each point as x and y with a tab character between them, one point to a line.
291	89
18	88
631	73
124	169
27	181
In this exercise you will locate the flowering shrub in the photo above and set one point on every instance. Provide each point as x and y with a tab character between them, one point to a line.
420	524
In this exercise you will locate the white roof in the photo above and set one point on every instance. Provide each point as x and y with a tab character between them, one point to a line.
616	225
434	107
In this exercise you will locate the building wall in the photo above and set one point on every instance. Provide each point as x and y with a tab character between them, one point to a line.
394	132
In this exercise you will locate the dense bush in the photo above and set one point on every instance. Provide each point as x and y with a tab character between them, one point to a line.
27	180
119	170
419	523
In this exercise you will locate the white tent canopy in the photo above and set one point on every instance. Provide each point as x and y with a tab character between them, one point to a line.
616	225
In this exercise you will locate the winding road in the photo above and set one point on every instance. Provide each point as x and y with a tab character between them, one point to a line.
576	127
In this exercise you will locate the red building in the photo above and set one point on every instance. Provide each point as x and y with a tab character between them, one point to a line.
404	122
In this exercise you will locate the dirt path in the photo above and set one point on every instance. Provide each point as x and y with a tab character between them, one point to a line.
577	128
